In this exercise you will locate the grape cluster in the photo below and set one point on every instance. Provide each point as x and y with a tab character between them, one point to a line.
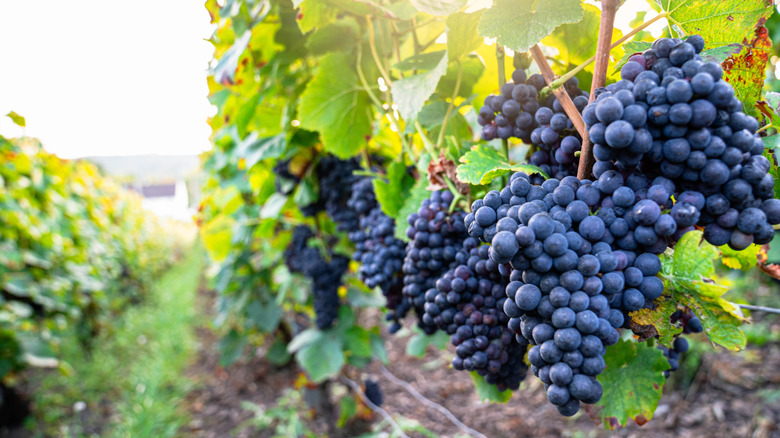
674	116
380	254
436	235
373	392
335	178
679	347
325	275
519	112
468	303
574	275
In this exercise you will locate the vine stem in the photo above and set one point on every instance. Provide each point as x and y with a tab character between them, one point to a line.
500	56
416	394
562	80
758	308
440	140
608	10
375	54
393	121
356	388
561	95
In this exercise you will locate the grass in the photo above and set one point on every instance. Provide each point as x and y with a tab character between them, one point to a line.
133	383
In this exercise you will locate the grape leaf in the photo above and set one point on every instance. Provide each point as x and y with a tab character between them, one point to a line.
391	193
254	149
659	318
719	22
420	342
746	71
410	205
519	24
17	119
411	92
633	383
687	275
719	54
225	71
461	38
483	163
743	260
423	61
322	358
488	392
631	48
336	107
438	7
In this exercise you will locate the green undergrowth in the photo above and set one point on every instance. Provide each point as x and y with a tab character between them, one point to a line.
133	382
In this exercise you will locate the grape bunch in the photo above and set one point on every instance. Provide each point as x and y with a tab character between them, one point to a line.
435	237
673	355
380	254
518	112
325	275
335	178
373	392
674	116
468	303
582	255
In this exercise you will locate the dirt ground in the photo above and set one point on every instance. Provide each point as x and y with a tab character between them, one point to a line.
731	395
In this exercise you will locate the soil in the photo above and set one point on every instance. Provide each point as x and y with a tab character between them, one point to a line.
729	395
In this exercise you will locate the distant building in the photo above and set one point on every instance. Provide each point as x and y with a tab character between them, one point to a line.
167	200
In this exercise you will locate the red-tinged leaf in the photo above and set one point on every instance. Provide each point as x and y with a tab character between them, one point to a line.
746	71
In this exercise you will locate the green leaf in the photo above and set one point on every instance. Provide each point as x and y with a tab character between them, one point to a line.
254	149
264	316
574	41
322	359
357	341
225	71
278	354
391	193
423	61
483	163
719	22
632	381
743	260
17	119
420	342
335	106
331	38
304	339
231	347
412	202
461	36
315	14
488	392
273	206
411	92
347	409
687	275
438	7
378	349
519	24
719	54
631	48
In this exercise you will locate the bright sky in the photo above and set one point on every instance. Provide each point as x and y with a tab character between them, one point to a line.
99	77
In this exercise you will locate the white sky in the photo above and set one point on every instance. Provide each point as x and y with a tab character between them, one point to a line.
107	77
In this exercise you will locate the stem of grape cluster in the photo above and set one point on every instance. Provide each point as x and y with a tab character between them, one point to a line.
608	10
374	53
560	93
440	140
